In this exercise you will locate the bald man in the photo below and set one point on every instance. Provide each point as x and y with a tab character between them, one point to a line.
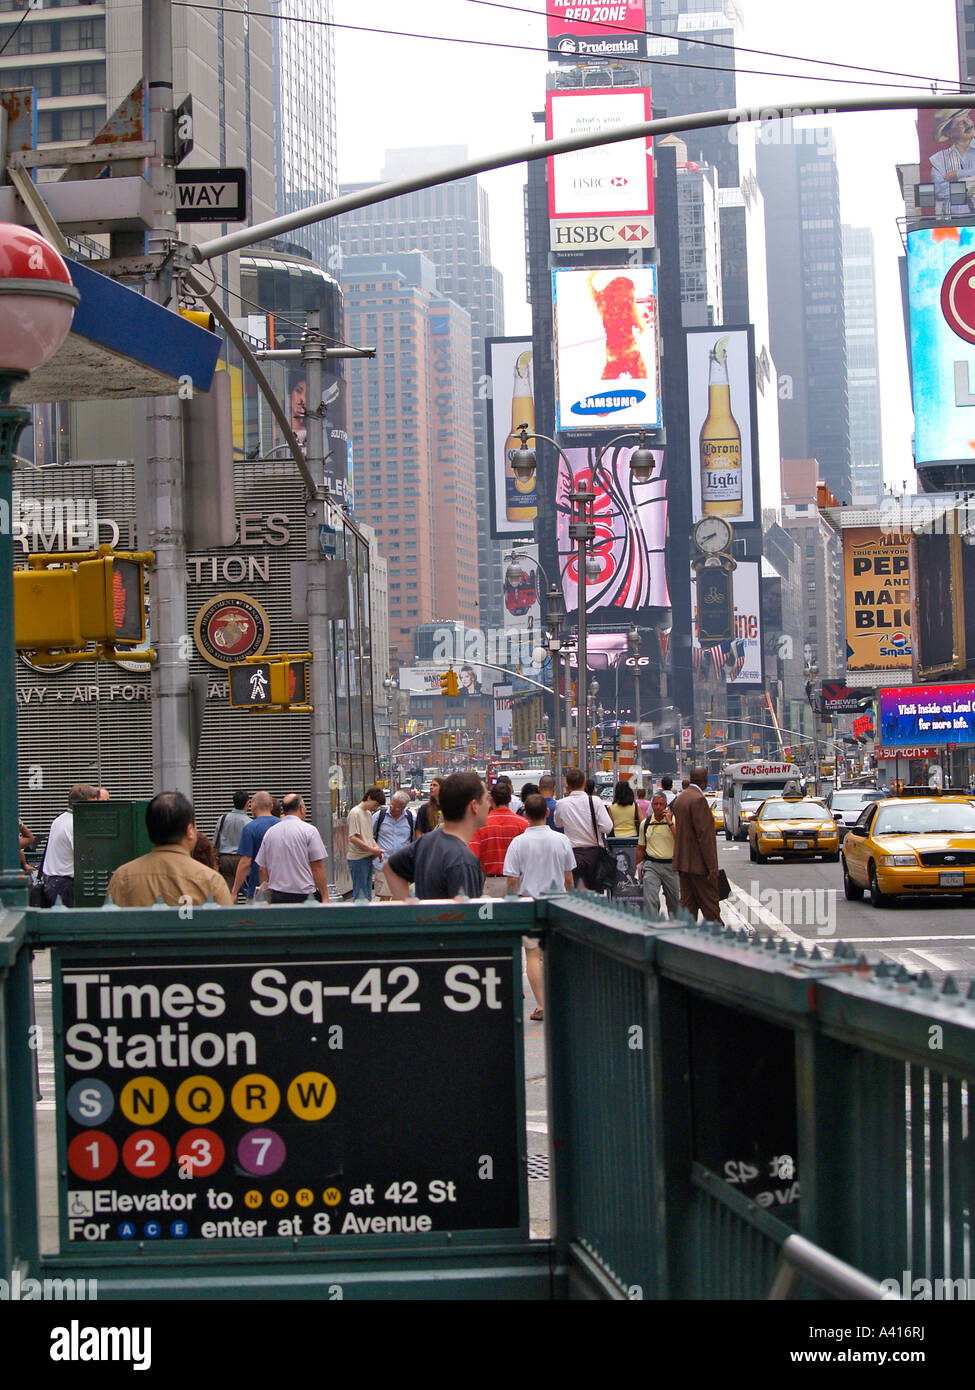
251	836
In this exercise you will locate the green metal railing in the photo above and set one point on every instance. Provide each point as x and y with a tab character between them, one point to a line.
711	1095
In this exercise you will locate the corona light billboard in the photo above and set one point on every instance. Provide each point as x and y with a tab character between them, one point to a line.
722	421
876	579
514	504
606	368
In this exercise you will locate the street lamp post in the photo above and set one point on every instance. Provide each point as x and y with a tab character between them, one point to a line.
37	302
583	532
554	618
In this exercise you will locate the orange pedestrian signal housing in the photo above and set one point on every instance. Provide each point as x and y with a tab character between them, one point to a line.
64	600
277	683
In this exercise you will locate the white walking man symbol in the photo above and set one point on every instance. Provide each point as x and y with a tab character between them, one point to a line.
259	690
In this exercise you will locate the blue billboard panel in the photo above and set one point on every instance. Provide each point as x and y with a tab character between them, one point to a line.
941	288
934	715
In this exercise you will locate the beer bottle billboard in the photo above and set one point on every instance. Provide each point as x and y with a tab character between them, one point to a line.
721	470
521	501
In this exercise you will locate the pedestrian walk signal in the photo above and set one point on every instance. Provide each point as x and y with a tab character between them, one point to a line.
449	684
275	684
63	601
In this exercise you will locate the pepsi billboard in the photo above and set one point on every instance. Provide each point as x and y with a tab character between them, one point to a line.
935	715
941	289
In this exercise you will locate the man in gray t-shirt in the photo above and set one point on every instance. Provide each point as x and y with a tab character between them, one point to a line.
439	864
226	836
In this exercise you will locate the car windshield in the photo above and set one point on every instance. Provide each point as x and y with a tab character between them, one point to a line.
849	801
757	793
794	810
925	819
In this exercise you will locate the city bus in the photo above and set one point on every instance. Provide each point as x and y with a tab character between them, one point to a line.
745	786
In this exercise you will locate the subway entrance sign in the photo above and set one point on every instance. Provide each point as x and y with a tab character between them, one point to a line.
253	1100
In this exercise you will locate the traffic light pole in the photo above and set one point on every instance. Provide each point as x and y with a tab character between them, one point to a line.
319	632
166	536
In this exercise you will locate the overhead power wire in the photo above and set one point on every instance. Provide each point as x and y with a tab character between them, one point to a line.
262	308
717	43
15	30
536	48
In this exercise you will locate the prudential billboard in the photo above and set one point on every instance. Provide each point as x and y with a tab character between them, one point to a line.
941	285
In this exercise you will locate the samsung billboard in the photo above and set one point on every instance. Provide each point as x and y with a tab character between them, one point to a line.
606	368
941	289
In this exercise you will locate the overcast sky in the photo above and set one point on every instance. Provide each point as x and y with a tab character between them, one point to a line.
395	92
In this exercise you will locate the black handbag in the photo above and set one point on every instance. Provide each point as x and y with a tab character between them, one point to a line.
724	886
603	873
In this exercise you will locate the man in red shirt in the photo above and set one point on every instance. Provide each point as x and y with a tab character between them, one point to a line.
491	842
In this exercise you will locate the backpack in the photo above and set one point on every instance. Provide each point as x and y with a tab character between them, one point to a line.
409	820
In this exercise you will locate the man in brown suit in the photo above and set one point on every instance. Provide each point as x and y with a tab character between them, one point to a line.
696	849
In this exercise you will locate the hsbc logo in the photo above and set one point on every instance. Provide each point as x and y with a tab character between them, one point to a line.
619	181
568	235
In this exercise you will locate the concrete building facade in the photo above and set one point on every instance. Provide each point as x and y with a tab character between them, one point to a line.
862	365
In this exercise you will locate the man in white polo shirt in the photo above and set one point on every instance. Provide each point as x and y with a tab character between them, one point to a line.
536	862
291	859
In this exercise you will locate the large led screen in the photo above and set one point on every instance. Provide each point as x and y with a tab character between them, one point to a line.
936	715
606	368
631	530
941	289
720	405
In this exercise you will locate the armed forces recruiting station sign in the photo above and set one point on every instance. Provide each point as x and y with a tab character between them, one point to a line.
253	1100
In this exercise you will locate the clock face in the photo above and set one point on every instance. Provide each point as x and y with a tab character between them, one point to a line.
712	534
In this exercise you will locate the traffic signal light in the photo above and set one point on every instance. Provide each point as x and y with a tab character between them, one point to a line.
101	599
256	684
445	683
453	684
454	740
444	741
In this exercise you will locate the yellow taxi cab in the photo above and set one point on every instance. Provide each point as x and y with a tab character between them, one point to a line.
787	825
717	810
911	844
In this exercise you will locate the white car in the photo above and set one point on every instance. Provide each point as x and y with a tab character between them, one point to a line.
848	803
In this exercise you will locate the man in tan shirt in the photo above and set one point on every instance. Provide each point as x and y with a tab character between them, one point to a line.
168	871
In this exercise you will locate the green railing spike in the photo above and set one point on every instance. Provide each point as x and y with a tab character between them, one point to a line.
59	905
903	975
883	969
801	952
770	942
925	981
949	986
862	963
815	954
109	905
785	949
158	903
971	991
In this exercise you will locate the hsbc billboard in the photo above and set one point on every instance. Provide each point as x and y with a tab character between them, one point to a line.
597	31
941	287
607	181
600	233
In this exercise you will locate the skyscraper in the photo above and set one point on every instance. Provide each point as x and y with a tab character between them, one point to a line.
805	279
860	299
450	226
304	103
84	63
411	425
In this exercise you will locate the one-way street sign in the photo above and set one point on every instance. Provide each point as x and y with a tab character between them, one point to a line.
211	195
